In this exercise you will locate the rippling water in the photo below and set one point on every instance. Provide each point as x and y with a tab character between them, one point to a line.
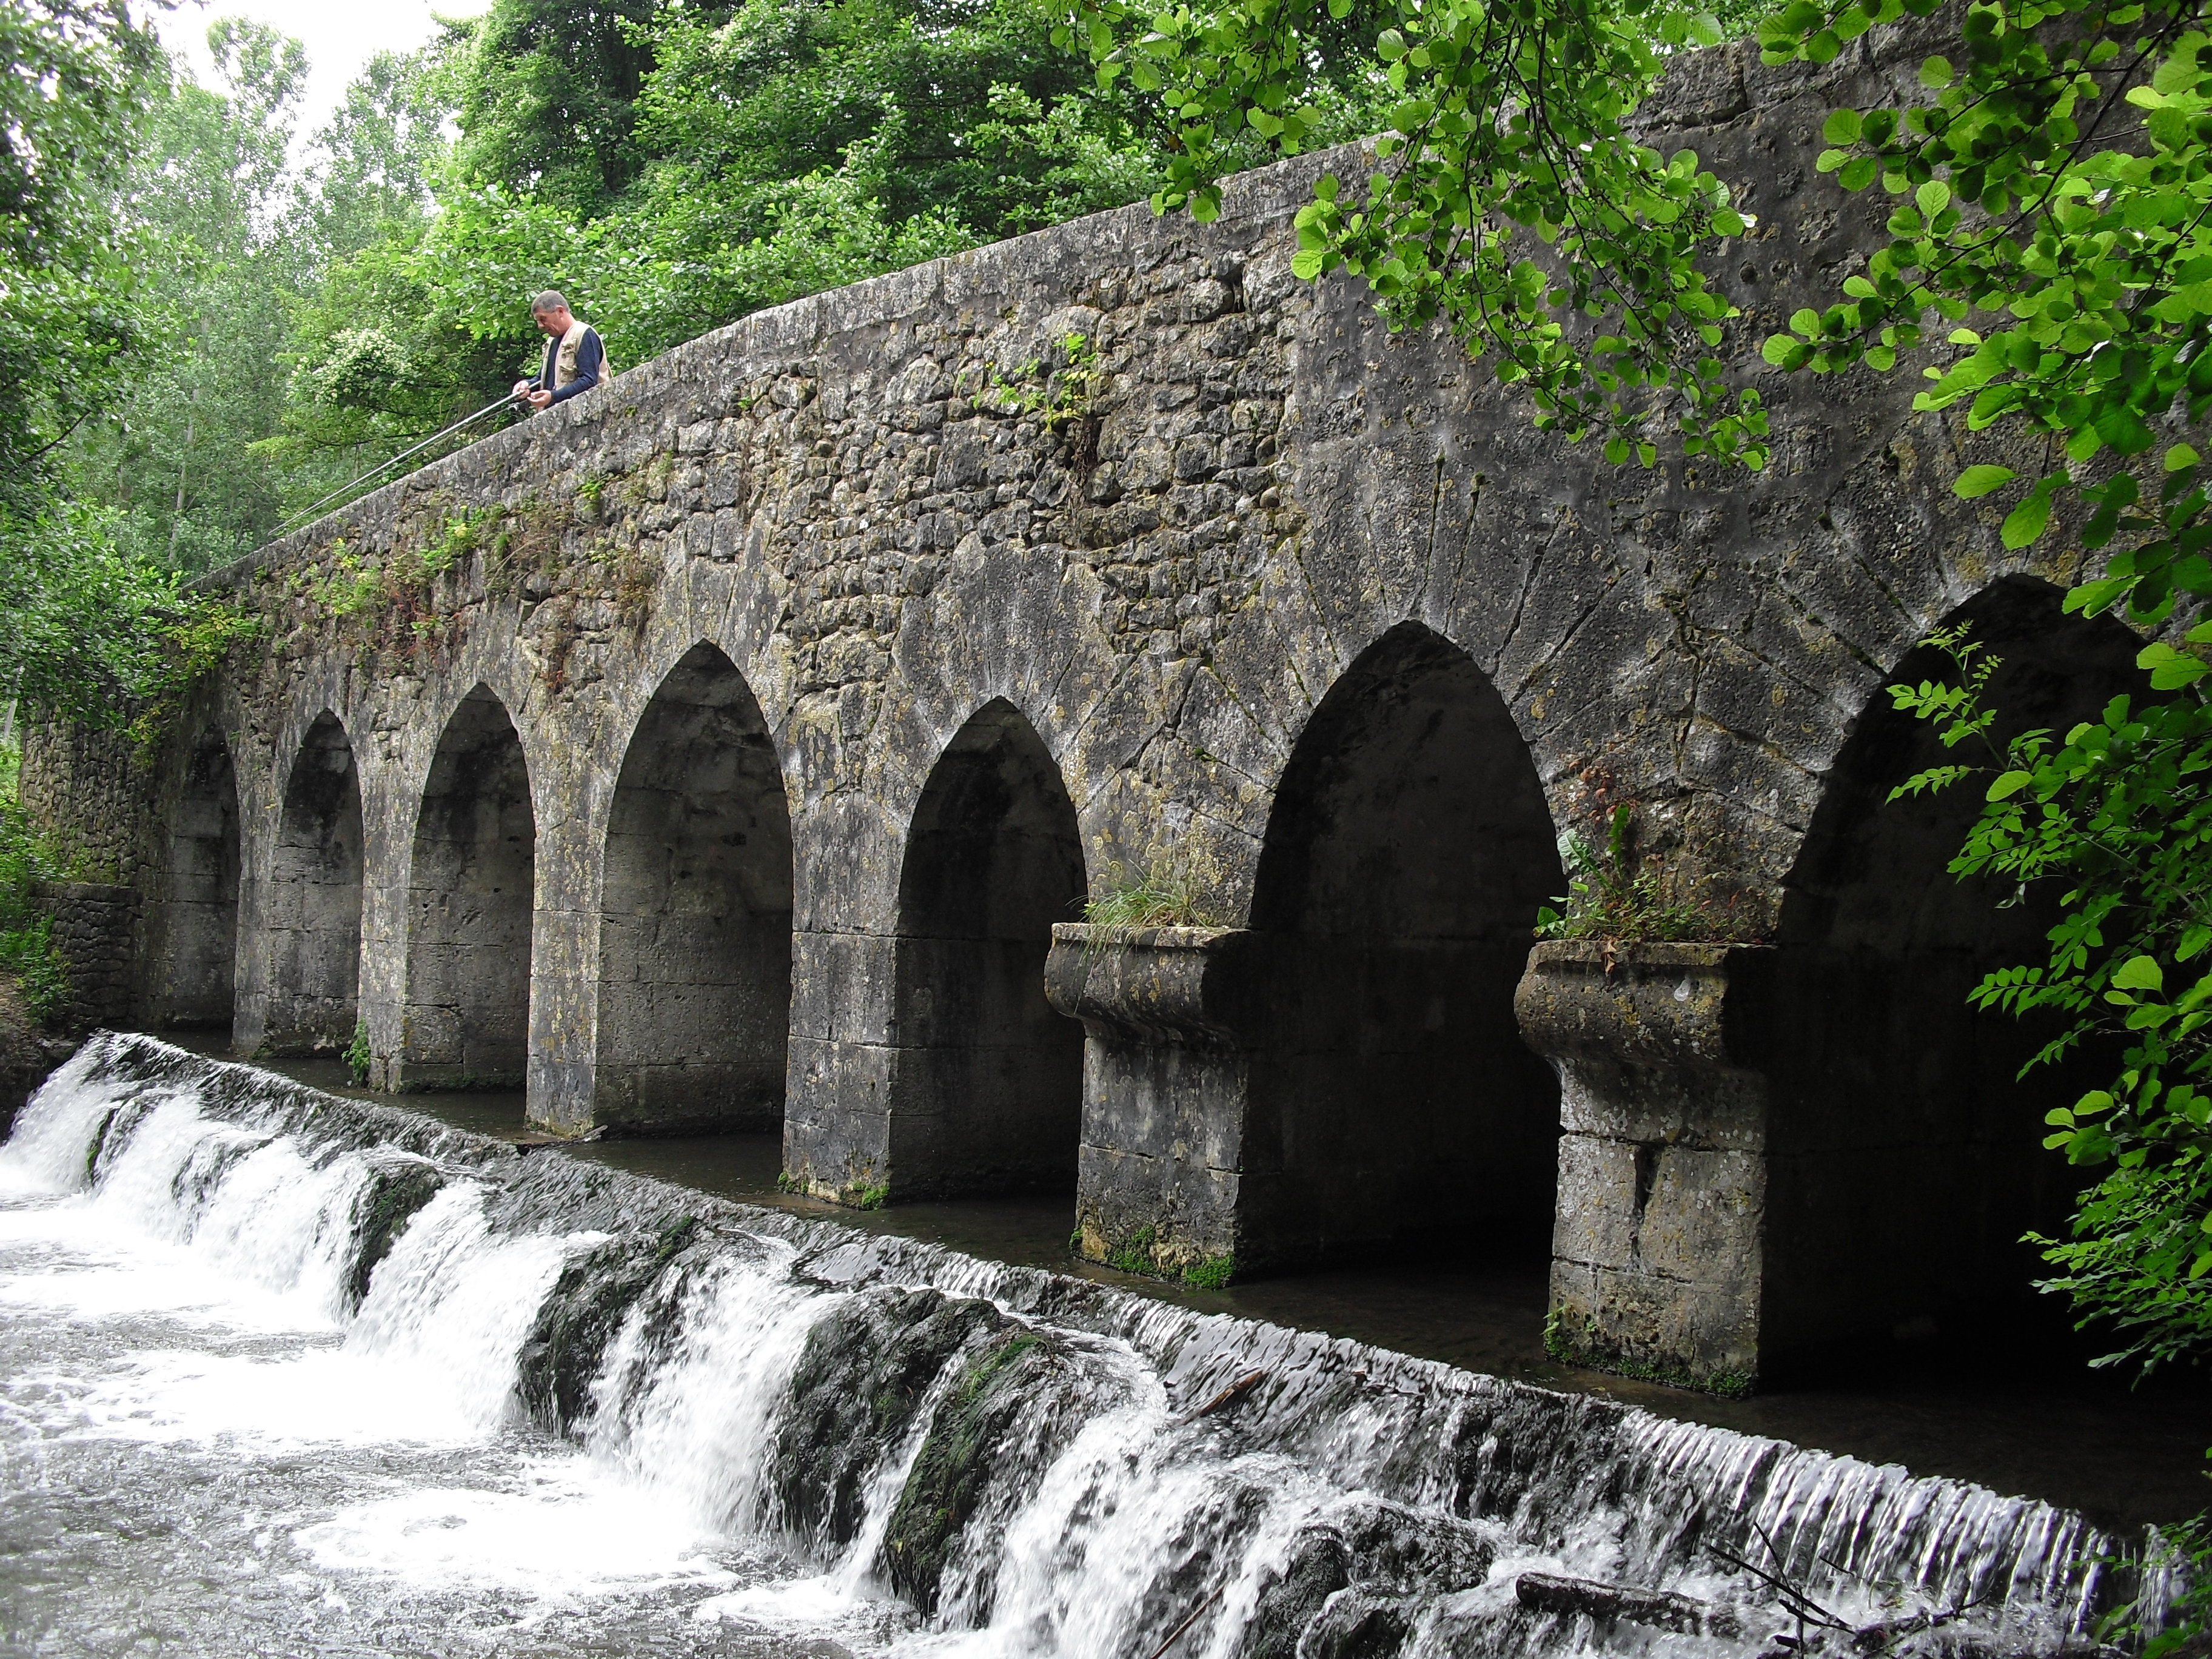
286	1374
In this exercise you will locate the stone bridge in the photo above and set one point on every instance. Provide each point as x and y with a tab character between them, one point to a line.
735	747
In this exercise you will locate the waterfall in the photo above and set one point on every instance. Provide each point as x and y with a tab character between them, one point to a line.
789	1424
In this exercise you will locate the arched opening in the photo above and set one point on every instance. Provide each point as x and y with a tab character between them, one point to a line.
1407	852
1903	1160
989	1082
313	907
695	935
194	926
466	1009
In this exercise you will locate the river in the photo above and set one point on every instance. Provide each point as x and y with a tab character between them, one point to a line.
290	1374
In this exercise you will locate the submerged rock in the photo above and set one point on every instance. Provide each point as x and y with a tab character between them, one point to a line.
972	1434
566	1350
396	1190
866	1370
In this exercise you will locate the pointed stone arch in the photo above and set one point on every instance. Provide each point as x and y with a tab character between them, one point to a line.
1408	850
471	883
695	927
987	1089
1903	1160
192	925
312	912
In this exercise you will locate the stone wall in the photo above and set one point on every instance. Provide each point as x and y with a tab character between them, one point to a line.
89	787
1117	546
95	931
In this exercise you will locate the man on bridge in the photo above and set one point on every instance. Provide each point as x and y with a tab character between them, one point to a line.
575	360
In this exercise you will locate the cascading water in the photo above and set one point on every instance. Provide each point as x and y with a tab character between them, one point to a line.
288	1373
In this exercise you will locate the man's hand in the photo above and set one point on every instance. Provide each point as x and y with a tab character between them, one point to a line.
521	388
538	400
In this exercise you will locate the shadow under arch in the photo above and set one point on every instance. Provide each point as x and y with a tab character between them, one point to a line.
1408	851
465	1008
312	910
695	926
1903	1161
193	931
987	1089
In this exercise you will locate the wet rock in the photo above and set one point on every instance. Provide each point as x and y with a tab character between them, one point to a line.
1319	1566
1359	1624
865	1370
1381	1550
971	1438
567	1346
396	1190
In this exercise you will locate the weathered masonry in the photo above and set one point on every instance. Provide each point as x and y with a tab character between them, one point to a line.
735	745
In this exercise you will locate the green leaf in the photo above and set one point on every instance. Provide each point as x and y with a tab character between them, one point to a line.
2139	974
2171	670
2125	430
1936	73
1306	265
2025	522
1842	127
2009	784
1783	352
1977	480
1934	196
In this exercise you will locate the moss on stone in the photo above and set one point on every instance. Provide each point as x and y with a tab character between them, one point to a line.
381	1213
864	1373
957	1461
1578	1343
1210	1273
567	1346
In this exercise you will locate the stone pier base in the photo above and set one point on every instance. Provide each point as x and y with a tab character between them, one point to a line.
1165	1075
1656	1259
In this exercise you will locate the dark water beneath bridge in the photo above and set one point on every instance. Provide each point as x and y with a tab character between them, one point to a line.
287	1375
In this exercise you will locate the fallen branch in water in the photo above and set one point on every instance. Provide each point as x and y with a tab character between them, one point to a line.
1872	1640
1545	1592
1228	1396
1213	1596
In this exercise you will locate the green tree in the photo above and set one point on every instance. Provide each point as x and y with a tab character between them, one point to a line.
544	91
83	71
207	196
70	327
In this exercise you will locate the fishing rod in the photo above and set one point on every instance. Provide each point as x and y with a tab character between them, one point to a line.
307	513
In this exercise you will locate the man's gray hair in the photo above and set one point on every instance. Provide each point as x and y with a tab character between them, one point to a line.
547	303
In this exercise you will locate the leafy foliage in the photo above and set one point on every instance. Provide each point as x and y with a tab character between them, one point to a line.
28	953
2118	810
1613	895
2056	180
1511	199
80	73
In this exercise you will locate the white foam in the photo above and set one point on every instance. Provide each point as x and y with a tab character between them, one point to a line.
567	1531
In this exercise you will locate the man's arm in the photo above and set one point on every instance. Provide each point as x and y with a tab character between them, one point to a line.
589	355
